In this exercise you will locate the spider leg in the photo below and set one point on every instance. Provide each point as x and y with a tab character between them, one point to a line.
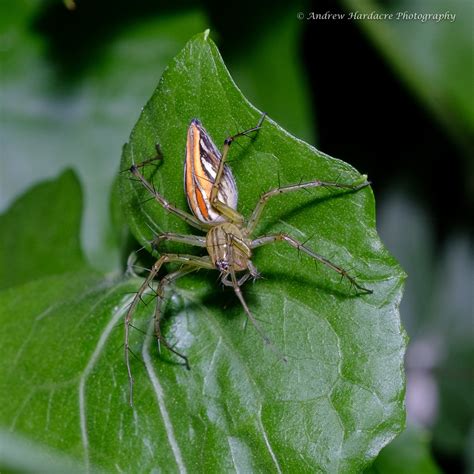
166	280
190	260
238	292
257	213
268	239
196	240
253	271
226	282
251	317
223	208
185	216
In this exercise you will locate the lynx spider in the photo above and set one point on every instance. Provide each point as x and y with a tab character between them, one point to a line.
212	196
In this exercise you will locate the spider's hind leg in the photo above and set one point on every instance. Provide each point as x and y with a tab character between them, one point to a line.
191	262
160	297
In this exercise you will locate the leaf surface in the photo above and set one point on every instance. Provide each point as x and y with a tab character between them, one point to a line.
339	399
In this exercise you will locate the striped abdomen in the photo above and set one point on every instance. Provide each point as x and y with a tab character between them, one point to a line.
200	169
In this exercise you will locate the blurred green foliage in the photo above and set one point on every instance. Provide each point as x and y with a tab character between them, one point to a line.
34	249
435	61
434	58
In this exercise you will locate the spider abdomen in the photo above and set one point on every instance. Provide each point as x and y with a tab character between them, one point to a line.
200	170
227	247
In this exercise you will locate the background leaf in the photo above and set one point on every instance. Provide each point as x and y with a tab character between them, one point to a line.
436	75
407	454
21	455
46	379
438	302
29	248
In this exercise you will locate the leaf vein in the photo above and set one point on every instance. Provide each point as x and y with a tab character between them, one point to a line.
161	399
90	365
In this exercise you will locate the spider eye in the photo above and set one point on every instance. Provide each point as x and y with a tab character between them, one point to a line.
222	265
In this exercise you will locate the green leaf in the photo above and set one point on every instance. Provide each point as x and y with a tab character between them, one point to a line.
339	399
332	407
408	454
54	332
40	232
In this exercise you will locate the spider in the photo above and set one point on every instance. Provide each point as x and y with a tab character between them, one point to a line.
212	196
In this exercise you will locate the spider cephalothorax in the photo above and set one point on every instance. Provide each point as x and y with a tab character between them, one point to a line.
212	196
228	248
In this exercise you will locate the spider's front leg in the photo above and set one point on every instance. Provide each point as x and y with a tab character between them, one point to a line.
190	261
235	283
269	239
221	207
257	213
226	281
